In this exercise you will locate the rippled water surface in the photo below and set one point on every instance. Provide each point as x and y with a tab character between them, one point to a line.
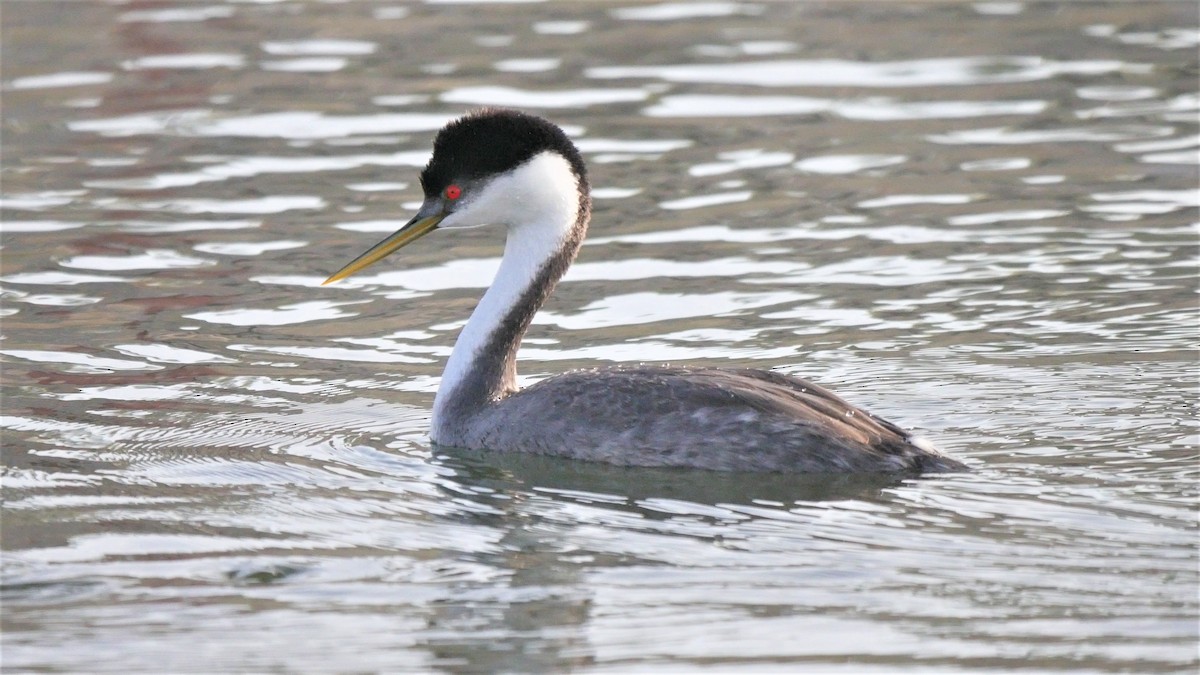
979	220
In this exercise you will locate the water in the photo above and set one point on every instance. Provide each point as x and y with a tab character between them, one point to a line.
976	219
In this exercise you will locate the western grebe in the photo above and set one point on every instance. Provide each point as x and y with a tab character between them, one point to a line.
502	167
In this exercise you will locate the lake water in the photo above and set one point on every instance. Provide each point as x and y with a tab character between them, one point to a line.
979	220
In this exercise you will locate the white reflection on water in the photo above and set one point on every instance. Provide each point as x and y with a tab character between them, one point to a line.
332	354
997	164
51	299
675	11
240	249
560	27
526	65
843	73
1092	134
153	259
653	147
175	227
1168	38
39	201
656	351
247	167
639	308
323	64
161	353
260	205
78	362
998	8
182	14
702	201
876	109
319	47
11	226
749	47
742	159
1116	93
1184	104
376	187
59	278
1006	217
707	233
52	80
185	61
301	312
519	98
291	124
840	164
908	200
1144	201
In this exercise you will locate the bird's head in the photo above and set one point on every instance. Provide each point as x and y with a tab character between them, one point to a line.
492	167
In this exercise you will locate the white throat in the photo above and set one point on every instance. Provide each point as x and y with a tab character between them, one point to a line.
539	204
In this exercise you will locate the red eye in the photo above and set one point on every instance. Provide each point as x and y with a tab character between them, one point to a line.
453	192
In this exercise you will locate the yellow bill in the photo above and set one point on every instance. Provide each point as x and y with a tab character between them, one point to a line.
414	230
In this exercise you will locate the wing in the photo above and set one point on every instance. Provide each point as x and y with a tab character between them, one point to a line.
733	420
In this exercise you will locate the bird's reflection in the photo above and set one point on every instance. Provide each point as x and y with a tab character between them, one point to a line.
536	619
520	471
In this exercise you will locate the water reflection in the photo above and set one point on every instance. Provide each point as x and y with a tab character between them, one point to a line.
656	492
977	219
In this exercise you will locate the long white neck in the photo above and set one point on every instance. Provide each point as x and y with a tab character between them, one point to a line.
546	216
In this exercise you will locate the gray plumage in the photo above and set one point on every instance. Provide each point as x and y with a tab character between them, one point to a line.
705	418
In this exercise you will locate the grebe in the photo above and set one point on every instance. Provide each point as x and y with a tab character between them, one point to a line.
508	168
